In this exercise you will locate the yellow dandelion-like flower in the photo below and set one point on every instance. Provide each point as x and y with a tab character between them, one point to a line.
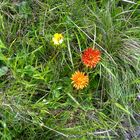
57	39
79	80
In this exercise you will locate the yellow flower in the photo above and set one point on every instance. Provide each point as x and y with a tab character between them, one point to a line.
57	39
79	80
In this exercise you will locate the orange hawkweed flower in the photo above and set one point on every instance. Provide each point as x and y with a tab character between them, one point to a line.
91	57
79	80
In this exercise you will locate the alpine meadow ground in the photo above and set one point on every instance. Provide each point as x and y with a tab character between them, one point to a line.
69	69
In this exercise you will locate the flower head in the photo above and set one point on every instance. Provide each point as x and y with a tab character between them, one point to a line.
91	57
57	39
79	80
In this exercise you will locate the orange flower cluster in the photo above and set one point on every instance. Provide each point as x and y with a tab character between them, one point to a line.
90	58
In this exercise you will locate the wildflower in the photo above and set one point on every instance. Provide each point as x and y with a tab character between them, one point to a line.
57	39
79	80
91	57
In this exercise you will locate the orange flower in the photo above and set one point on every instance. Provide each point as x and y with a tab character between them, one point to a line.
91	57
79	80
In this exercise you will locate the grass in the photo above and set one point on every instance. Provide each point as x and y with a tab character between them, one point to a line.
37	98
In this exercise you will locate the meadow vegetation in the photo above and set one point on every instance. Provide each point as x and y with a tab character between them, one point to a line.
37	98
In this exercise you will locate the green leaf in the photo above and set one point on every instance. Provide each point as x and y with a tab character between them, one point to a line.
122	108
2	45
108	70
2	57
136	81
3	70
